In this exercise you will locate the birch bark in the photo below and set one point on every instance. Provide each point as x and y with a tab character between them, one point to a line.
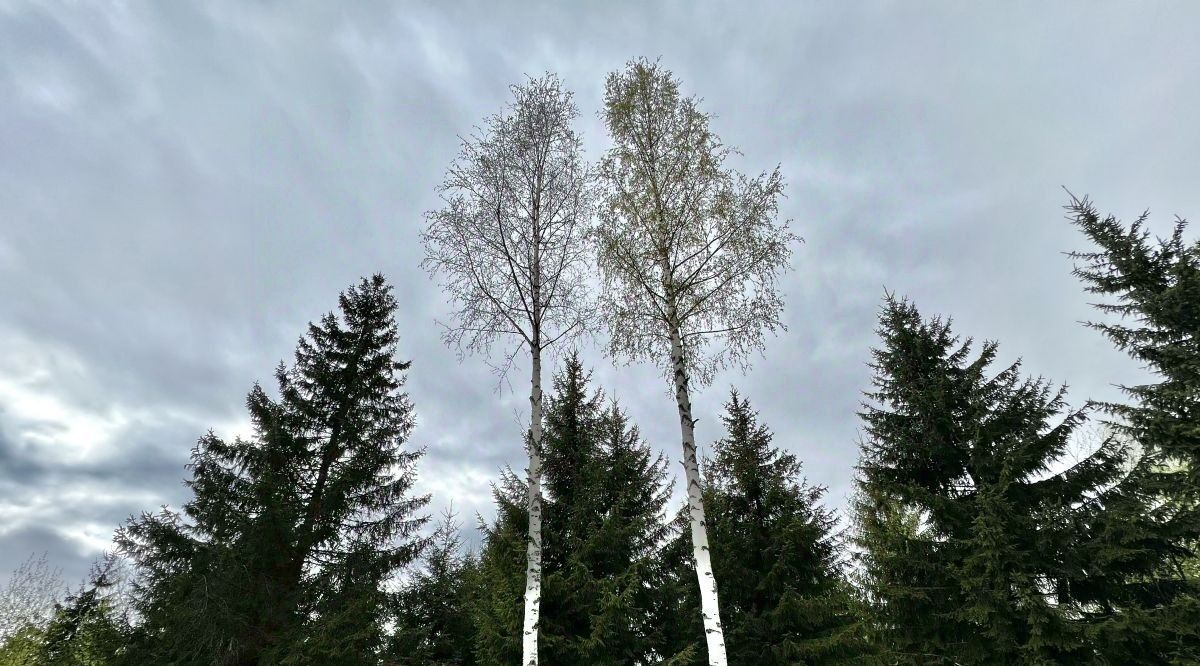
714	634
533	554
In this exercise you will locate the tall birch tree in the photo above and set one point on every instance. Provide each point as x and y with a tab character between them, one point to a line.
508	245
689	252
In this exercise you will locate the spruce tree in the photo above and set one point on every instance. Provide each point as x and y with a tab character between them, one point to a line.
571	449
570	444
1156	284
632	537
497	611
433	623
1153	287
282	552
975	533
777	551
615	570
609	511
88	628
603	517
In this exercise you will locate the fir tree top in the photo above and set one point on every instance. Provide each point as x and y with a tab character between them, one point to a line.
1155	285
971	520
292	532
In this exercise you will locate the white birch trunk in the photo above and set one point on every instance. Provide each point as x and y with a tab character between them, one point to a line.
714	635
533	565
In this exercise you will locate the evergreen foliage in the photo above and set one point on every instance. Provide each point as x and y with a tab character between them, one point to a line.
497	610
776	549
604	525
283	550
1156	284
1153	287
976	536
87	629
433	623
983	533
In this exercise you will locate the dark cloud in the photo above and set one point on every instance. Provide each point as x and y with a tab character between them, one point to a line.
183	186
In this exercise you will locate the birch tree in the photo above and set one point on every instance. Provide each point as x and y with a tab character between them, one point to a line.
689	254
508	245
29	598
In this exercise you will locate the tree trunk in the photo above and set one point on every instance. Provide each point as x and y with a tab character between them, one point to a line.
714	635
533	566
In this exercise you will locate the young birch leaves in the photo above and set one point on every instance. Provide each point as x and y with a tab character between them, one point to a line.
689	253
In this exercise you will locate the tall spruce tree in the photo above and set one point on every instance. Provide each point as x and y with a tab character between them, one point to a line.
976	537
606	492
625	550
1156	284
282	552
571	443
610	579
1153	286
785	597
571	453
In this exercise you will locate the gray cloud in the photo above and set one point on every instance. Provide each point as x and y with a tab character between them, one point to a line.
182	187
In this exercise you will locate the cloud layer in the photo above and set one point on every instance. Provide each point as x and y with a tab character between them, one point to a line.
183	187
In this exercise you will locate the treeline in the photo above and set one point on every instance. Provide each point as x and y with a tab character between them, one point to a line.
986	526
980	533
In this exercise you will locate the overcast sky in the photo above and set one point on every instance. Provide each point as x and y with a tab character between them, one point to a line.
184	185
